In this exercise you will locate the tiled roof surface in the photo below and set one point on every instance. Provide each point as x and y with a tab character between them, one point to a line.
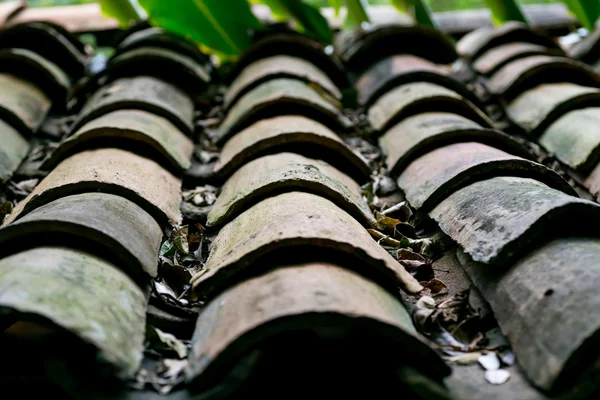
207	240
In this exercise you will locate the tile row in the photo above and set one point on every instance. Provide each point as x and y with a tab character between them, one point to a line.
292	253
506	212
77	255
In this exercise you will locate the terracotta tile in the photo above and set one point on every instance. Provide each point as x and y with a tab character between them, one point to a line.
586	50
82	294
496	219
372	45
274	67
497	57
305	296
276	97
414	98
13	149
100	222
290	133
291	220
294	45
23	105
421	133
115	171
168	65
434	176
523	74
158	37
475	43
34	68
575	138
544	305
276	173
125	127
400	69
52	42
10	8
536	109
142	93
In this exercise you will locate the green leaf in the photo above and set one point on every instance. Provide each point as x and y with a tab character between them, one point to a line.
418	9
221	25
121	10
357	14
586	11
336	5
505	10
307	16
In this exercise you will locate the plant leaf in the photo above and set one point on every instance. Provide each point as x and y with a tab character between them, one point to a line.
307	16
586	11
505	10
336	5
357	14
122	10
221	25
418	9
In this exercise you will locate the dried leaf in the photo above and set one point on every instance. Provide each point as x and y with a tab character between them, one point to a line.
201	196
402	211
385	238
436	286
5	209
173	343
489	361
424	307
385	223
497	377
408	254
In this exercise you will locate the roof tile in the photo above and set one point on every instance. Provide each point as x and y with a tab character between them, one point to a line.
287	172
544	305
434	176
421	133
82	294
299	297
297	220
292	133
496	219
110	170
143	93
13	149
413	98
280	97
22	104
99	221
130	128
278	67
497	57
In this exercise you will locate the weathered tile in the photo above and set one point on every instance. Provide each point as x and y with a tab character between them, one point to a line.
495	219
168	65
287	172
575	138
536	109
22	105
99	222
126	127
372	45
34	68
545	305
525	73
308	296
292	220
278	67
82	294
414	98
13	149
49	41
497	57
475	43
115	171
158	37
142	93
10	8
295	45
401	69
290	133
434	176
280	97
421	133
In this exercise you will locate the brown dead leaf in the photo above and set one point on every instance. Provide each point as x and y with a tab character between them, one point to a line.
386	224
436	286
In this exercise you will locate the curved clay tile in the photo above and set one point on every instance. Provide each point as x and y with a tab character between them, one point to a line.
495	58
13	149
22	104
